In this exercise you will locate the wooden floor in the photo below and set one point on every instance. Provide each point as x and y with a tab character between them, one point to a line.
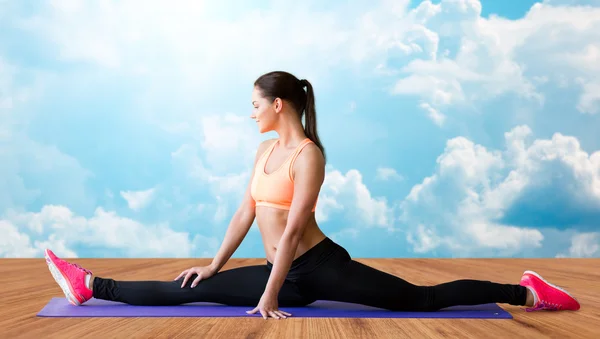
26	286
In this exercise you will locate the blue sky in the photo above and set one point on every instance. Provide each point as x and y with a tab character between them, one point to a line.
508	9
452	128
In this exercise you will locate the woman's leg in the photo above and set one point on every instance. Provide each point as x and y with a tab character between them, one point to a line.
241	286
342	279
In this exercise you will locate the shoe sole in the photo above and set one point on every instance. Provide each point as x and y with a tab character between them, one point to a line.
62	281
544	280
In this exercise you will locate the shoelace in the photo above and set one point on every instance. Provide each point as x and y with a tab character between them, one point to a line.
81	268
544	305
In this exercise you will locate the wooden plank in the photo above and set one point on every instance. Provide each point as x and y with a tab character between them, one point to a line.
26	286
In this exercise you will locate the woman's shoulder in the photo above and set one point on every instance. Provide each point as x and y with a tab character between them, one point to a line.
267	143
263	146
310	157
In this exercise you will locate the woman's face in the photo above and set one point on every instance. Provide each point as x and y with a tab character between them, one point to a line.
263	112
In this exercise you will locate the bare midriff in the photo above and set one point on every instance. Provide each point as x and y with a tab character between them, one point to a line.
272	222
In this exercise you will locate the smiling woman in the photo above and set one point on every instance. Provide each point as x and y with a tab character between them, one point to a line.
275	88
303	264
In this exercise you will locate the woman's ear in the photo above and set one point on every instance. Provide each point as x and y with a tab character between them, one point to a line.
278	105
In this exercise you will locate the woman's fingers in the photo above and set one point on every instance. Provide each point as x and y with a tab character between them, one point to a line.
181	274
187	277
280	314
197	280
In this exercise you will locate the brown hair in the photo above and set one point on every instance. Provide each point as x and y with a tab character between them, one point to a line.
287	87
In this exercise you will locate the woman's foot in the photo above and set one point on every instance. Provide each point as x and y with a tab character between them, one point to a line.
74	280
547	296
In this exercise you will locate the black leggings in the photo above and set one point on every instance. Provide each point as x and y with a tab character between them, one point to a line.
325	272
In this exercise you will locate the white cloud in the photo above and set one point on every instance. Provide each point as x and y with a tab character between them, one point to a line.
480	201
389	31
433	114
121	35
187	160
567	39
349	232
186	58
14	244
573	2
448	53
26	163
505	238
219	163
478	69
589	102
445	53
561	164
198	40
326	205
483	58
424	239
59	228
584	245
137	200
229	139
386	173
346	193
224	151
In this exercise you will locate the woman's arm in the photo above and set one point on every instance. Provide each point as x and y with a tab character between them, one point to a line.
309	176
241	221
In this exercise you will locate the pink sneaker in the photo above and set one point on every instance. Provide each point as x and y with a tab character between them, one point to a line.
70	277
549	297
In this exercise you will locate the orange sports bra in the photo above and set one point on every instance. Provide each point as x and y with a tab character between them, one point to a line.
275	189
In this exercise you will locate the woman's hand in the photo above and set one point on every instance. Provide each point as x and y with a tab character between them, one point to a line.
268	306
203	272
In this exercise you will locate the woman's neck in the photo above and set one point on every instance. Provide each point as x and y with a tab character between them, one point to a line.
290	132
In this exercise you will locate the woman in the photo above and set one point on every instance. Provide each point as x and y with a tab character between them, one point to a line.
303	264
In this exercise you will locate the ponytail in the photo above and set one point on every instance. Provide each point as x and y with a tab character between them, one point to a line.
310	116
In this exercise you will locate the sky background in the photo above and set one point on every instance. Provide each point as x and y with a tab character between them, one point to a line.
458	128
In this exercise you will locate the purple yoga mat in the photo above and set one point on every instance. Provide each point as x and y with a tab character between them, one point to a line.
60	307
